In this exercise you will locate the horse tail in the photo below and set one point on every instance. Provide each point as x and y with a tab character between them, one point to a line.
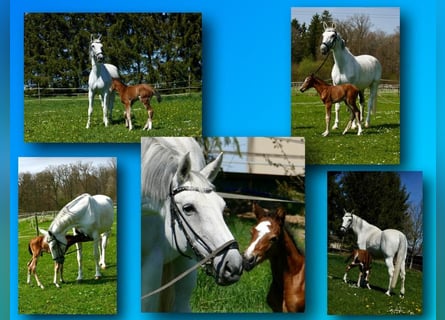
401	257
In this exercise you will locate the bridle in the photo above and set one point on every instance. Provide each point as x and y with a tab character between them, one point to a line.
333	41
348	214
178	218
60	254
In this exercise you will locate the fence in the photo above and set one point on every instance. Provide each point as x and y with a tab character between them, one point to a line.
35	91
386	86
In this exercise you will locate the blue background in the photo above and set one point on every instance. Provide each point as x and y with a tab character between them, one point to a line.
246	55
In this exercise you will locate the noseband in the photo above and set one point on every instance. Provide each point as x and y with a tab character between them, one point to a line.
350	223
60	258
333	41
177	217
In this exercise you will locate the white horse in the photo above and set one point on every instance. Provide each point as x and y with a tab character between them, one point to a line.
363	71
389	243
99	81
182	222
93	216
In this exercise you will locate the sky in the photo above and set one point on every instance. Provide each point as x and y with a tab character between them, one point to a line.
413	182
386	19
39	164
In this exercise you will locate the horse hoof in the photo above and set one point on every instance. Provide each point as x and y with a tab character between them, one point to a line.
97	278
325	134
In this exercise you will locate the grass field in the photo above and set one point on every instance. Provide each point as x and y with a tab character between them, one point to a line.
248	294
346	298
64	119
97	296
378	144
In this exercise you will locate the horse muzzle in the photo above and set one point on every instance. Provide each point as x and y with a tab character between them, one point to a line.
99	57
228	267
324	49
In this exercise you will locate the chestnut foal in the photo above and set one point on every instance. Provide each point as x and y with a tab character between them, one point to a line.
333	94
270	240
37	246
129	95
363	260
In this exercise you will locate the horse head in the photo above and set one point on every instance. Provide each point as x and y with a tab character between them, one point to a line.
329	40
57	245
197	225
347	221
96	51
264	236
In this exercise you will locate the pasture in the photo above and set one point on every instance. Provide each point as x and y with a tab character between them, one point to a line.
97	296
378	144
248	294
63	119
347	299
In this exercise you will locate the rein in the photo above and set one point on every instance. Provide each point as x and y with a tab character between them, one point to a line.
228	244
178	217
327	56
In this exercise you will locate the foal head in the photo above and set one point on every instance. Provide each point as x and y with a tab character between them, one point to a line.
265	236
308	83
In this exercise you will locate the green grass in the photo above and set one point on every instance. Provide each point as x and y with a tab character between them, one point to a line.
346	298
378	144
88	297
246	295
64	119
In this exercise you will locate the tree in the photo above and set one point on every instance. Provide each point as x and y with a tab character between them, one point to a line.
377	197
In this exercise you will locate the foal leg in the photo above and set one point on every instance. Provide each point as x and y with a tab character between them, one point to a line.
57	267
128	122
328	118
150	112
337	117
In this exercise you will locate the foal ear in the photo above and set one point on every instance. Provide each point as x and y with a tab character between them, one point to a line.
258	211
281	214
43	231
211	170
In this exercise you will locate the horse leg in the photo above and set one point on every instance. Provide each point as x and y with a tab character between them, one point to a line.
90	106
372	103
337	117
367	279
345	277
402	279
96	258
104	101
103	241
150	112
128	122
328	118
56	271
390	266
348	126
79	262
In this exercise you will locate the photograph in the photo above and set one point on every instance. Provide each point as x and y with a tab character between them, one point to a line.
223	206
68	214
363	71
112	77
375	228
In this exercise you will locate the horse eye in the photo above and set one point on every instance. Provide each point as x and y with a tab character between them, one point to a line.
273	239
188	208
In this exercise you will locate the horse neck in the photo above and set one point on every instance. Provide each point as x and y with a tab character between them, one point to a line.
342	56
63	222
286	255
360	226
96	67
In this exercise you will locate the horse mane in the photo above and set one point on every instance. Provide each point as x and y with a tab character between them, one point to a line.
65	218
160	161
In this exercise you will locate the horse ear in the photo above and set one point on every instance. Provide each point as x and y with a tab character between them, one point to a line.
333	25
211	170
99	36
325	26
184	167
259	211
281	215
